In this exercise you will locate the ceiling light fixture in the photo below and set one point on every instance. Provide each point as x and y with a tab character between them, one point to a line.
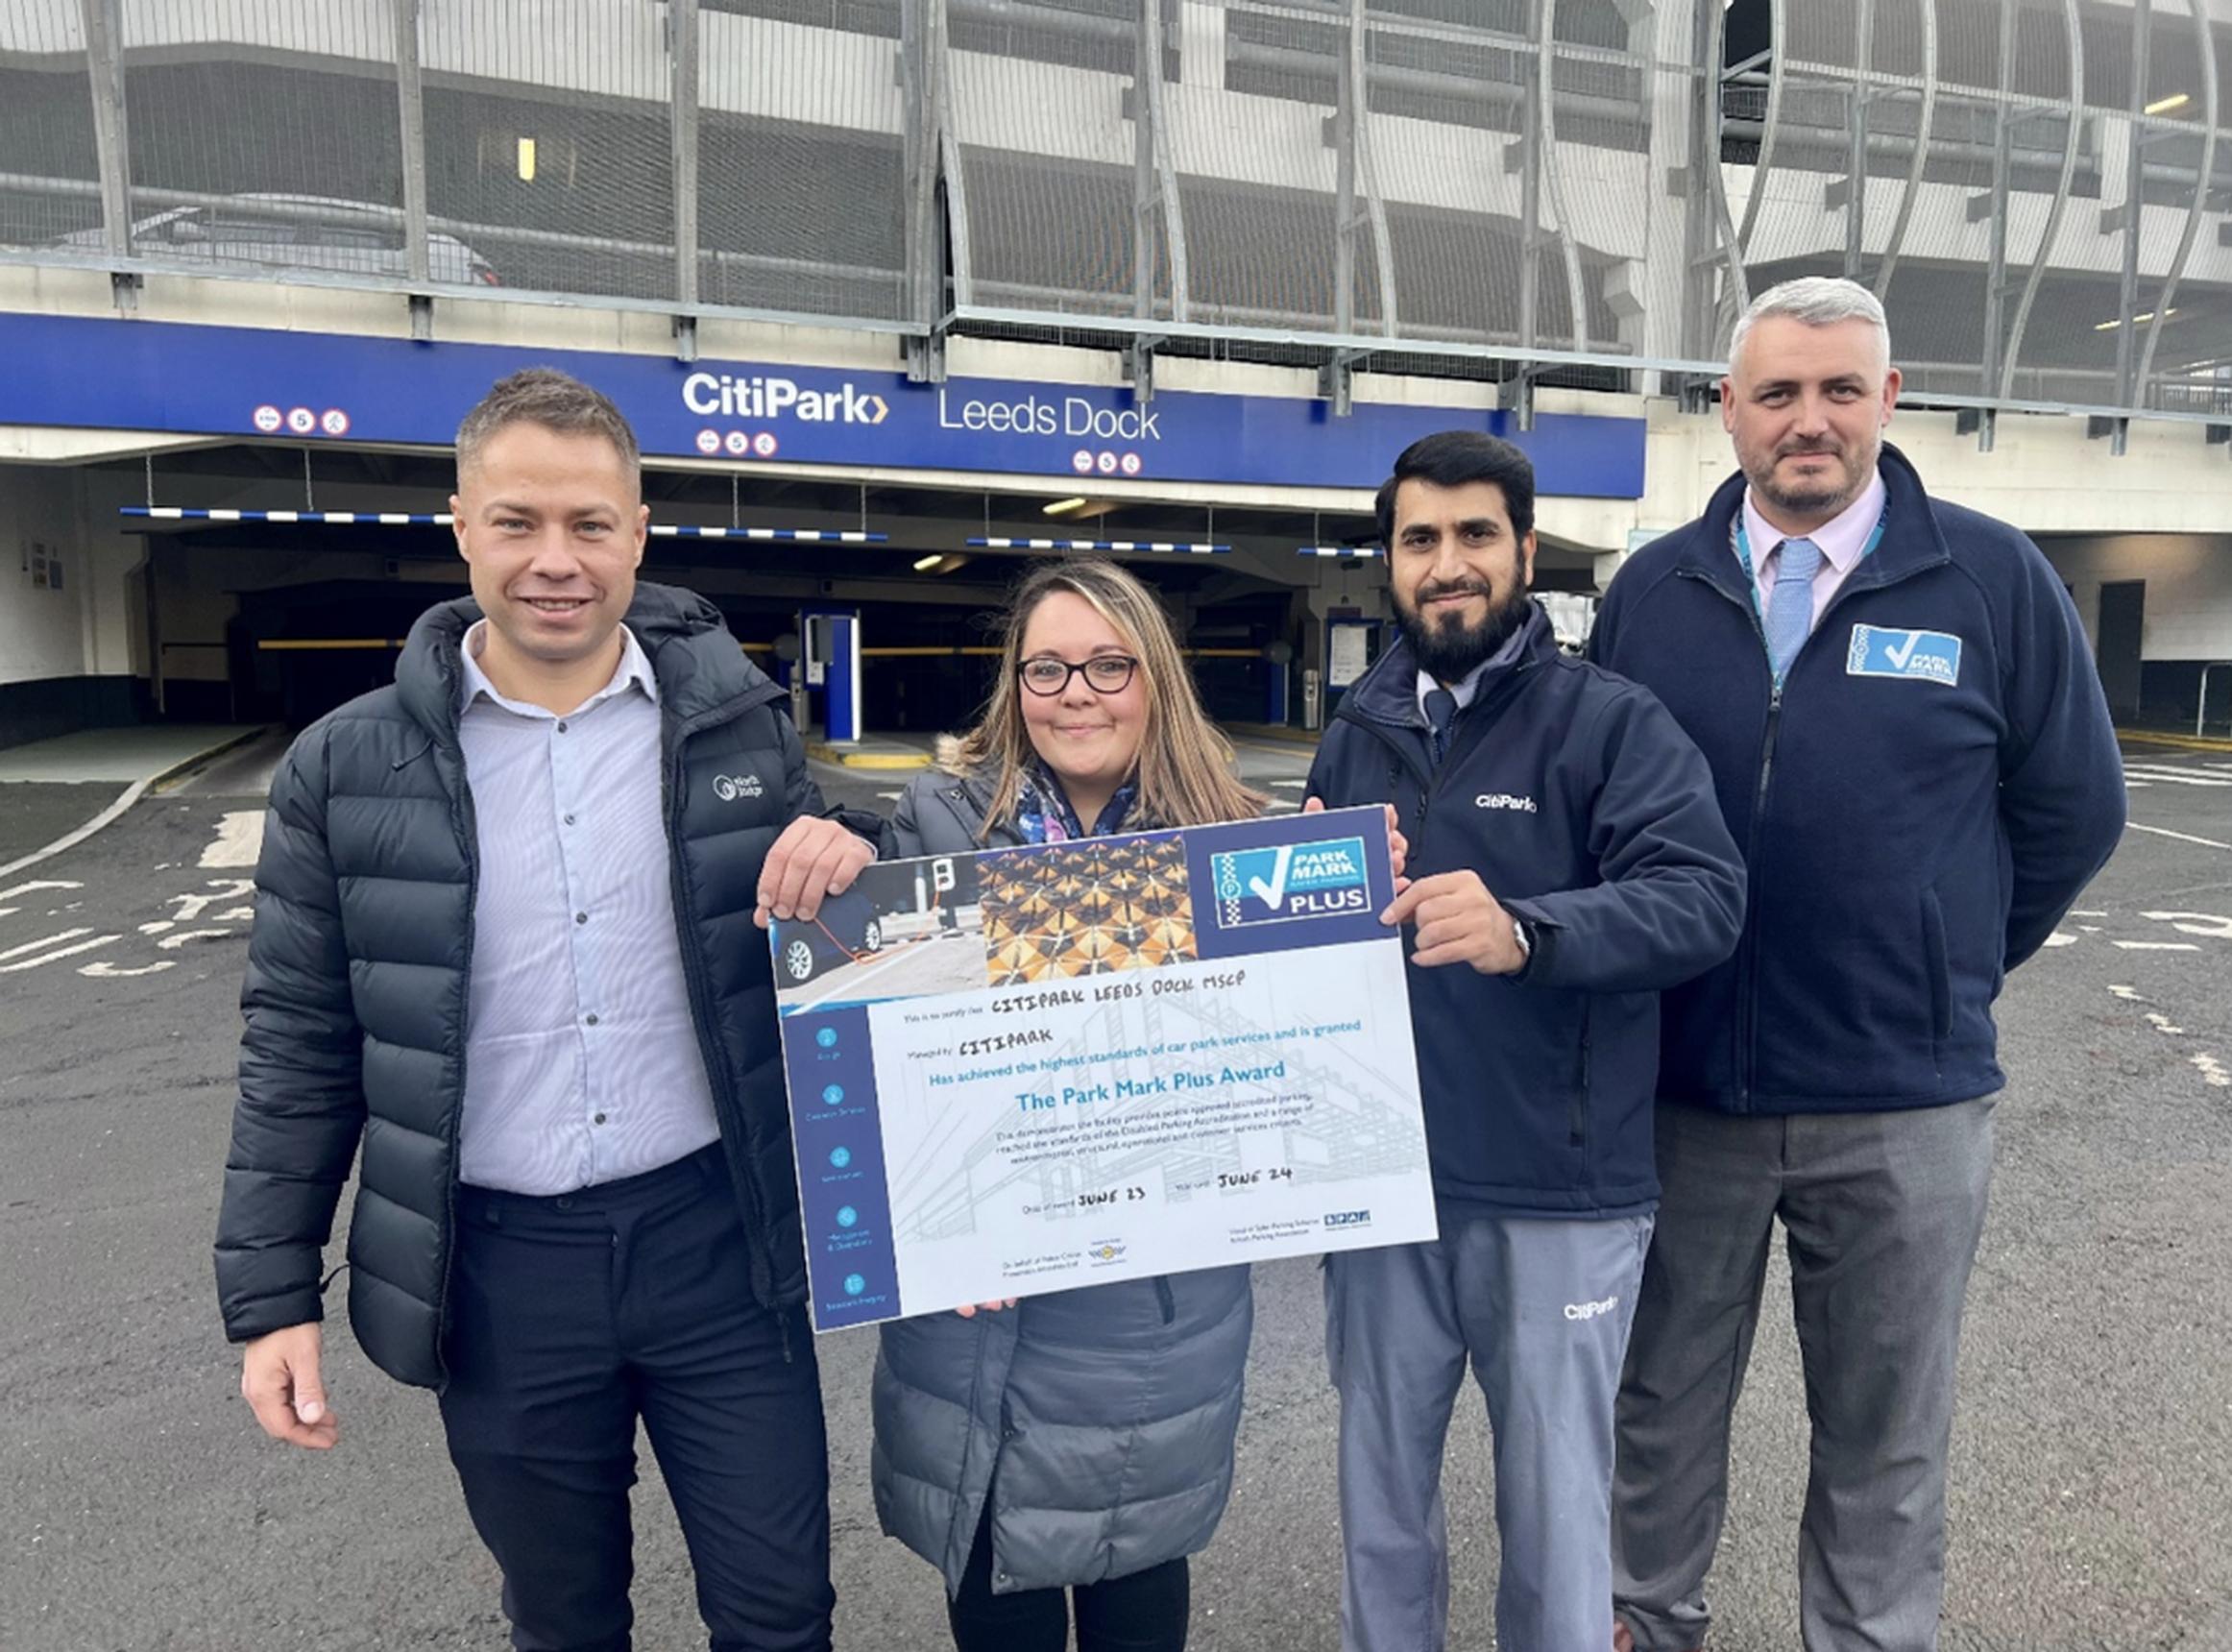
1063	507
924	564
2164	106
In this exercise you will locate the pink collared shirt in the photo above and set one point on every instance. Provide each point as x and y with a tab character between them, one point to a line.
1843	541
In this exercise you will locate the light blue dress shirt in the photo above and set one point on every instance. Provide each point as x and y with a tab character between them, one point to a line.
582	1065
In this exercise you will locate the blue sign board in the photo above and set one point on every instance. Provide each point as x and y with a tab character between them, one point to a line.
107	374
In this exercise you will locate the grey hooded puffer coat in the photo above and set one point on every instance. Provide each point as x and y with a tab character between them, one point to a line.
1098	1422
361	954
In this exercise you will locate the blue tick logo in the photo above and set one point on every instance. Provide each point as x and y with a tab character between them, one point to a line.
1293	881
1920	656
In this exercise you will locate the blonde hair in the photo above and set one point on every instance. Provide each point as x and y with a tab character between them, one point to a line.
1184	766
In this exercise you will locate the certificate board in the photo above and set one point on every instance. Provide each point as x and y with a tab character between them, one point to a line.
1032	1069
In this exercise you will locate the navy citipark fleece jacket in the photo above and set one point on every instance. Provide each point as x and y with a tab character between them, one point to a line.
1918	802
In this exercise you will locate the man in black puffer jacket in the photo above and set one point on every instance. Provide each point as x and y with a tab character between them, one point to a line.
505	938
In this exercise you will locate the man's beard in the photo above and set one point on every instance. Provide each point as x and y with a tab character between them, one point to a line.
1448	651
1814	498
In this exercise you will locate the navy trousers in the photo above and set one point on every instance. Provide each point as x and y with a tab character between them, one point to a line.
572	1317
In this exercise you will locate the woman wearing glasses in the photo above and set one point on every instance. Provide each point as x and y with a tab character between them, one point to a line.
1074	1448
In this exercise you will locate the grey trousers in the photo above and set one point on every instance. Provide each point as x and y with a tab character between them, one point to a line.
1542	1308
1881	1213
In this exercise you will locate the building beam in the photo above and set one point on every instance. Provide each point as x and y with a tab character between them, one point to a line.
682	110
2204	45
1895	242
411	133
104	24
2073	130
1857	155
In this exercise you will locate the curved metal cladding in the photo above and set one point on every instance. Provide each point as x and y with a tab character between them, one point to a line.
2047	239
2036	187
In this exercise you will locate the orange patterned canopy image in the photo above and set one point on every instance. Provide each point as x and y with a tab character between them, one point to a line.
1086	908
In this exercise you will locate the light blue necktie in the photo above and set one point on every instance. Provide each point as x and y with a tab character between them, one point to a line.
1790	603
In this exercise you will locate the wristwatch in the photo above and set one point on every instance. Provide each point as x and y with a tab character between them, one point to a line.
1524	934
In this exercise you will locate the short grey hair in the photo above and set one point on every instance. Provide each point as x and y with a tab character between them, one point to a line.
1817	301
557	401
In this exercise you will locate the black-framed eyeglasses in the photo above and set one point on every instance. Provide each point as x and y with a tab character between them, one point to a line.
1104	674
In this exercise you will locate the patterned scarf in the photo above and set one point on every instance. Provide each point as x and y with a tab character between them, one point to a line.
1043	813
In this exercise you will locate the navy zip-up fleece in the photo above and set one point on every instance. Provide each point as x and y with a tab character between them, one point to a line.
1919	802
1586	810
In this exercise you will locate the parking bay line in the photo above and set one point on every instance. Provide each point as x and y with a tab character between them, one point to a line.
2181	837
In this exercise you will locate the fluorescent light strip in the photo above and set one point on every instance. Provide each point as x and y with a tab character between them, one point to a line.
1187	549
390	519
1341	550
442	519
792	535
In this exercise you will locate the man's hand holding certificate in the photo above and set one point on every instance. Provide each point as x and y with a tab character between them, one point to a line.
1030	1069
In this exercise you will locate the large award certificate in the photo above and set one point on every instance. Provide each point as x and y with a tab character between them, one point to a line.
1026	1070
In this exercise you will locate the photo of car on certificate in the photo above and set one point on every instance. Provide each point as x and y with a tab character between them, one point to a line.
1030	1069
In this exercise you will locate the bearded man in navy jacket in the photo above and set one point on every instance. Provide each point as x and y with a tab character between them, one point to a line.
1909	741
1567	863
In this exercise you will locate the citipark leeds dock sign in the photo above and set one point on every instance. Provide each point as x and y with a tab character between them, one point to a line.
103	374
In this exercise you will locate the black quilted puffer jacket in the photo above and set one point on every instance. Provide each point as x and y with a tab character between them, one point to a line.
360	956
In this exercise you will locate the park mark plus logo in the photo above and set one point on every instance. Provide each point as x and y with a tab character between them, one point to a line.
1291	881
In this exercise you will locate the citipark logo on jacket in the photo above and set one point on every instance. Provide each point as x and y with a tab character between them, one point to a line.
1293	881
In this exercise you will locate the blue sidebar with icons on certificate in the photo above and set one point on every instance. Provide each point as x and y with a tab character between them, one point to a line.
1032	1069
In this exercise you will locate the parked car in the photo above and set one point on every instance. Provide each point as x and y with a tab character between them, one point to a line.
295	232
844	931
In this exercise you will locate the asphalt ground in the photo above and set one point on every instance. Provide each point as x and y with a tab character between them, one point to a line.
140	1508
34	812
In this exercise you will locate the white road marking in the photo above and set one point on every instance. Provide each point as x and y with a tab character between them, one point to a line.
13	890
2212	1070
106	971
240	840
2158	946
2058	938
2162	765
2081	912
157	927
2127	994
51	940
2207	924
2173	776
2089	929
2136	785
55	957
1289	784
2181	837
192	906
170	941
2162	1024
891	797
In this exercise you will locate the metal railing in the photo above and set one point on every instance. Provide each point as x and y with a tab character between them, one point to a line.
1332	180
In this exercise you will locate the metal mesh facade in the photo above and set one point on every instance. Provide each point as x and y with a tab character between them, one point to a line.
2035	187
